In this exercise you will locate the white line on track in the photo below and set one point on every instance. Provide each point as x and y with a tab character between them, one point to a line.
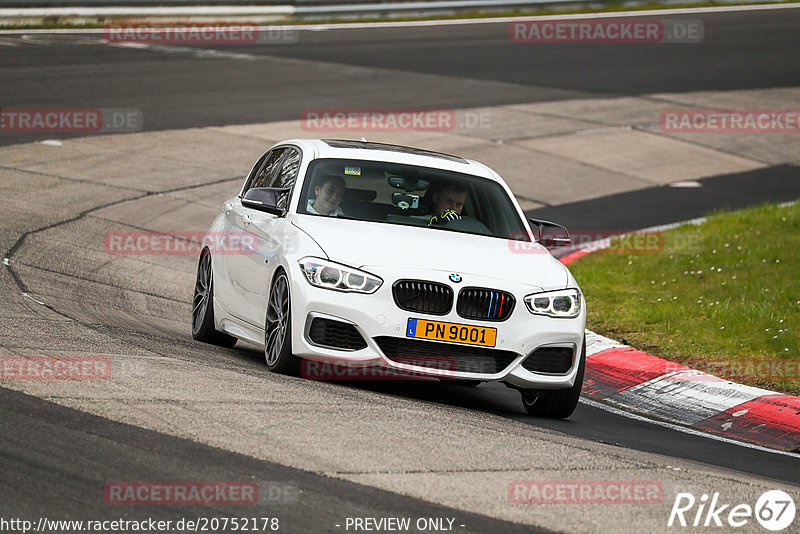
198	52
115	11
607	15
684	429
457	22
28	296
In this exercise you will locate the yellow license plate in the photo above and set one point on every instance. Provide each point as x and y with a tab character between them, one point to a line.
455	333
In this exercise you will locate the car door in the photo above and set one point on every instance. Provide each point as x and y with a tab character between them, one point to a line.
233	294
267	231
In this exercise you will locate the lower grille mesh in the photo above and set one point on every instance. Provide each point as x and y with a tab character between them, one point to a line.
336	334
445	356
551	360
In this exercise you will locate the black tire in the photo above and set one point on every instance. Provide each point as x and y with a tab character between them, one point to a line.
203	306
278	329
556	403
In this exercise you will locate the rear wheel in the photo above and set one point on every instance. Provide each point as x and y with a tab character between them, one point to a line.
278	329
203	306
556	403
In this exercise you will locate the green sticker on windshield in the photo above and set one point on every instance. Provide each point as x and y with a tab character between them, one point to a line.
353	171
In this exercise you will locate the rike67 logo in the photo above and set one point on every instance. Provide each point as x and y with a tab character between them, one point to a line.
774	510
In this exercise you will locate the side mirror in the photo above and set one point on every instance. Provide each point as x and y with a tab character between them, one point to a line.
265	199
550	234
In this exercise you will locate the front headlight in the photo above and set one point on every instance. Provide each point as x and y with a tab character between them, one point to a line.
564	303
330	275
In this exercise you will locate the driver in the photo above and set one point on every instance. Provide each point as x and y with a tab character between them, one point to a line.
448	202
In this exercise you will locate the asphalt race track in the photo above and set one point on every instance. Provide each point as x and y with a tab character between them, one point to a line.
53	481
417	67
180	410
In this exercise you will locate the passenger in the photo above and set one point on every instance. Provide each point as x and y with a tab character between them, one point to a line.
329	192
448	202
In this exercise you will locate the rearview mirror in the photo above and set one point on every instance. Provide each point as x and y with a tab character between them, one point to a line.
265	199
409	184
550	234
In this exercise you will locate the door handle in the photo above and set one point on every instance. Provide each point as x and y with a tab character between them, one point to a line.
247	220
227	208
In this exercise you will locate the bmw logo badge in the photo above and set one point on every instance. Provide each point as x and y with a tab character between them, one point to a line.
455	278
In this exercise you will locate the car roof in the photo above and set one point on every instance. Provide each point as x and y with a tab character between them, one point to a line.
372	151
366	145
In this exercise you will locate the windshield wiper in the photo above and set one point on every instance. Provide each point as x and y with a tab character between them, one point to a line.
352	218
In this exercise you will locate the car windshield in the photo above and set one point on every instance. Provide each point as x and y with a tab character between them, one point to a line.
409	195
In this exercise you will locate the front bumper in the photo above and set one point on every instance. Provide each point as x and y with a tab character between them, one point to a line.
377	316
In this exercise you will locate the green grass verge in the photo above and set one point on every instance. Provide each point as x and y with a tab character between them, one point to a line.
612	6
723	296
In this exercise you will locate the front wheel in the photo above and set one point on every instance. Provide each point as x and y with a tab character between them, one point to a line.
278	329
556	403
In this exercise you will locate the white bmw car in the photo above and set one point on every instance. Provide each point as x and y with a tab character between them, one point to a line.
343	254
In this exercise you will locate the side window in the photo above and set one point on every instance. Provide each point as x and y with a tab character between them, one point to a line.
287	175
264	174
253	171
